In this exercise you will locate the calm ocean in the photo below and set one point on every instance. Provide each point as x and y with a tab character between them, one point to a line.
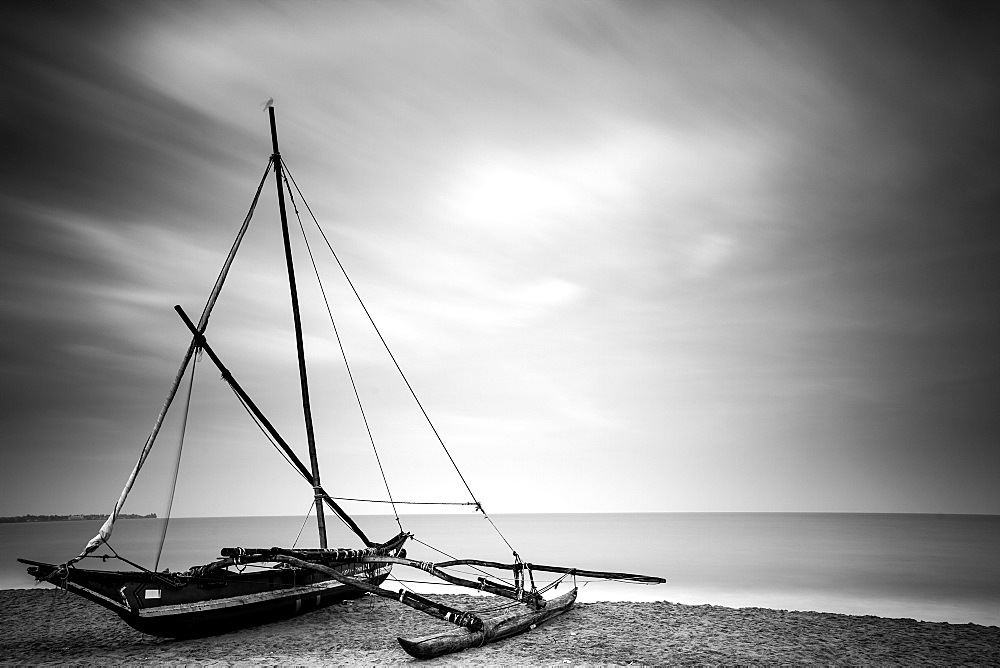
928	567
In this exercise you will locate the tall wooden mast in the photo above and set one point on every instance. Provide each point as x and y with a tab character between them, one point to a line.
306	409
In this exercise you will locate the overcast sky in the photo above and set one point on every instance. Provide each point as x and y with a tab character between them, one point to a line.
633	256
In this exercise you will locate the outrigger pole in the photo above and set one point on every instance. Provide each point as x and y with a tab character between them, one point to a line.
318	493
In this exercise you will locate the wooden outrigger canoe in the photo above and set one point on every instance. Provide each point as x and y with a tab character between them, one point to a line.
211	599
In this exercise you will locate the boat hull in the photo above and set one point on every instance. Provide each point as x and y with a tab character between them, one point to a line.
194	607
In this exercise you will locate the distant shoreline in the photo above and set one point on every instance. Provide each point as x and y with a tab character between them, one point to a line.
69	518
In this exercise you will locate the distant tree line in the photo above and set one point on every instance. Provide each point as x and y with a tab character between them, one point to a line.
65	518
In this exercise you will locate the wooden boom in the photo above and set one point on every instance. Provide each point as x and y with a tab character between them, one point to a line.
435	570
604	575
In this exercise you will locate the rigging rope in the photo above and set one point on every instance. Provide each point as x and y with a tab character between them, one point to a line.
410	503
312	504
274	443
475	568
406	381
260	426
343	352
284	456
277	447
177	463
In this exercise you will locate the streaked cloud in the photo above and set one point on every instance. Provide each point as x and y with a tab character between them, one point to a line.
746	248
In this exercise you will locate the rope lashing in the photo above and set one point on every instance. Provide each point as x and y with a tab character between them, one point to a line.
518	576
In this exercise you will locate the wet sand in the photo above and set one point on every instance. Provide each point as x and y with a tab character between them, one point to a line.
46	626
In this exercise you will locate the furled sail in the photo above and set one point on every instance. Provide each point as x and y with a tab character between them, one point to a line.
108	526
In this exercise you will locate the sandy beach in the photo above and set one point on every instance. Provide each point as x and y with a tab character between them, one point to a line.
48	627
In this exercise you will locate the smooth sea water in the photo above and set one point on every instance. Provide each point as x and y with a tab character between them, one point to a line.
927	567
